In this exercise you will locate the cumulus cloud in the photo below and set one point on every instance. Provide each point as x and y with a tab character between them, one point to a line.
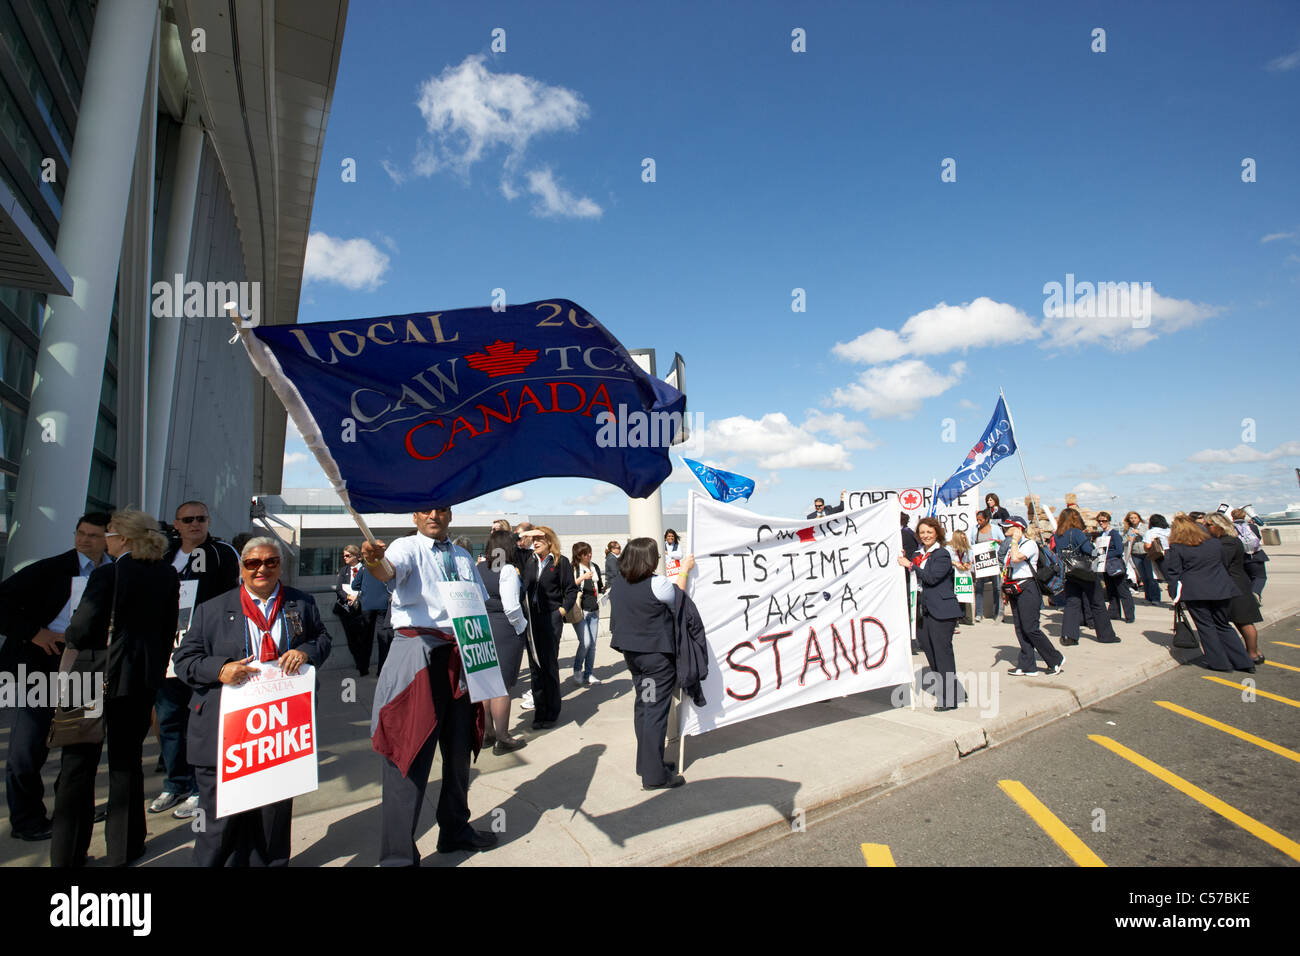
597	494
1088	488
850	434
556	202
512	494
897	391
1284	63
352	263
1275	236
1118	317
1142	468
1246	453
773	441
292	458
942	329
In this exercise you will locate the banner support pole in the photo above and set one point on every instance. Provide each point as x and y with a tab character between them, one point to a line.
1021	458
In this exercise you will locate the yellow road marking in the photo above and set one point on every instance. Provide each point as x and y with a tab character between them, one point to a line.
1254	690
1286	644
1050	823
1252	826
877	854
1285	667
1227	729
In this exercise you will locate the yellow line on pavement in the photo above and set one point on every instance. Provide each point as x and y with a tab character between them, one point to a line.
877	854
1286	644
1228	729
1252	826
1254	690
1285	667
1050	823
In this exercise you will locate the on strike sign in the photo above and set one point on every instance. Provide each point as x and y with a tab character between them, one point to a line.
266	740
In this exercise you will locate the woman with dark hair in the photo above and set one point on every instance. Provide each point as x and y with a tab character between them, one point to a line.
1071	536
995	509
1134	531
1154	543
590	587
548	577
1198	579
129	609
509	624
612	577
938	608
1248	533
1119	597
1243	611
672	549
645	603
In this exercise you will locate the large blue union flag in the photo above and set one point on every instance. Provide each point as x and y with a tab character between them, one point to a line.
407	412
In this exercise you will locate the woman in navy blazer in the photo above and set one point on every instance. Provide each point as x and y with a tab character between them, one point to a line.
1196	575
1070	534
938	607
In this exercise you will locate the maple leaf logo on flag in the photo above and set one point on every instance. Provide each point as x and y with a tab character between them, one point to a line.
975	451
910	499
501	358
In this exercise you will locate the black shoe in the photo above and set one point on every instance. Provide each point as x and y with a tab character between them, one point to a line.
940	710
670	766
671	781
1069	641
43	831
543	724
509	746
1108	640
101	814
1258	660
1245	670
473	841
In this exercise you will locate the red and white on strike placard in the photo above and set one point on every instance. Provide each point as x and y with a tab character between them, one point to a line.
266	744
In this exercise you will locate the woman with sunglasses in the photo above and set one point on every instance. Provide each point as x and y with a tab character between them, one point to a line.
124	626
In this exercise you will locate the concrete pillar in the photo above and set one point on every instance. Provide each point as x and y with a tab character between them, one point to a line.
70	366
645	516
166	337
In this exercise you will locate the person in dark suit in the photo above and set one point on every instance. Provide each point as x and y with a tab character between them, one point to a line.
821	511
130	610
1243	611
995	509
1070	534
1119	597
35	611
1194	569
938	608
613	576
347	608
373	600
509	623
260	622
548	578
910	546
645	605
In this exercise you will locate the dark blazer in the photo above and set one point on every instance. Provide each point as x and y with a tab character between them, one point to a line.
554	588
910	545
342	578
220	567
645	624
1073	538
218	635
1115	554
937	594
144	626
1201	571
828	510
692	649
29	600
374	593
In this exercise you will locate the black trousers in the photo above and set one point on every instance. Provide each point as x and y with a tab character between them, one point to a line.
1223	648
27	755
383	631
1257	571
935	638
544	665
1077	594
359	628
1119	597
1025	615
403	796
653	678
257	837
126	723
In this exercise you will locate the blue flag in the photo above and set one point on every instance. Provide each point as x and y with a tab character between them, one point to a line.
996	443
722	485
408	412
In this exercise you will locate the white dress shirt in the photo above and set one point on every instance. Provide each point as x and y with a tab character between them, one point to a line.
418	570
64	617
255	632
511	589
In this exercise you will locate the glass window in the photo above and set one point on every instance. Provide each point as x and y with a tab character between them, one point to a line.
27	304
11	34
17	363
99	491
316	561
12	424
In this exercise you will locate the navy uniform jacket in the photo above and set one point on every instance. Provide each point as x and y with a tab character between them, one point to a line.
1201	571
29	600
937	594
219	634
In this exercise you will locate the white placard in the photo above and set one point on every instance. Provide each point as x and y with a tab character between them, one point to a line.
185	614
984	559
796	610
266	739
478	654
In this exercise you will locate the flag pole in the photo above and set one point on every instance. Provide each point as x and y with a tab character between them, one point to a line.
266	366
1021	459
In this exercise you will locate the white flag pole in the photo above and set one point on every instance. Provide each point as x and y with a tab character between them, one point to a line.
1021	459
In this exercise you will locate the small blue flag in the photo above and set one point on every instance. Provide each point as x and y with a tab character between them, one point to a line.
722	485
996	443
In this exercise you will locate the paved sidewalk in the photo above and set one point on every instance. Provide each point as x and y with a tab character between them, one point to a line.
572	797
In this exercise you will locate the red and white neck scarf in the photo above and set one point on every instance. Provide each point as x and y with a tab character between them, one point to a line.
267	650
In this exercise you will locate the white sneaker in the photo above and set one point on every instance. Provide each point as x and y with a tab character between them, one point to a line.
1053	671
592	681
164	801
526	702
187	809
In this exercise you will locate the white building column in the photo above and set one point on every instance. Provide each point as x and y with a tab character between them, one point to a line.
60	431
645	516
166	337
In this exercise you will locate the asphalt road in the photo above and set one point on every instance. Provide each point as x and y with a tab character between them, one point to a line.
1115	810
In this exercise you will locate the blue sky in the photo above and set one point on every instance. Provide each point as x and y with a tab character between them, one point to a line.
821	170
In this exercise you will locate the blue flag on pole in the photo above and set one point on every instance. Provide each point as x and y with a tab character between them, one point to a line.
722	485
407	412
996	443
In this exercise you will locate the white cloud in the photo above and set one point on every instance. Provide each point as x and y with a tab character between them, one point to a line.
352	263
1142	468
942	329
1120	321
897	391
598	493
469	110
1088	488
1160	487
395	174
1274	236
512	494
1245	453
292	458
851	434
773	441
554	201
966	403
1281	64
1071	442
580	511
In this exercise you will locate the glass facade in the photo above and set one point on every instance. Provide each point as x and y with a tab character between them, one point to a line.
314	561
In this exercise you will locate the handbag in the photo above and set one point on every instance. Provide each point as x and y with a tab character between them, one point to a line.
1184	636
76	725
1157	552
1077	565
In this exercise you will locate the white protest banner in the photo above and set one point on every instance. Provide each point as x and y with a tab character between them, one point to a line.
185	612
478	653
963	585
915	503
796	611
984	559
266	739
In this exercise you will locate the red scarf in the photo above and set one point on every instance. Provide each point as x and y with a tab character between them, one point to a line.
918	559
251	611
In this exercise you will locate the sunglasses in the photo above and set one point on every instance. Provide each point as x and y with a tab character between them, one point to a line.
190	519
254	563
